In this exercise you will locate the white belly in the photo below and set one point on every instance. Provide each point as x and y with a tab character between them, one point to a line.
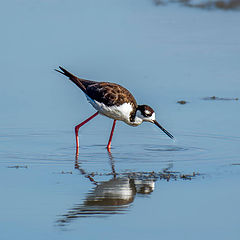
121	112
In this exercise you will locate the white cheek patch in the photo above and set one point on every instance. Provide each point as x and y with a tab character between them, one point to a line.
153	116
146	119
149	119
147	112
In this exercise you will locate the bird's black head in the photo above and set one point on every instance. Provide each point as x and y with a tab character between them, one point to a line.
147	114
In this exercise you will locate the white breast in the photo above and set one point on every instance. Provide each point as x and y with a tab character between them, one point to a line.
121	112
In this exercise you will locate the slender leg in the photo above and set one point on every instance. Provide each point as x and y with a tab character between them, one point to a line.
110	138
77	129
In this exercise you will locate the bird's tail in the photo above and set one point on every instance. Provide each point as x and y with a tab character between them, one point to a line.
73	78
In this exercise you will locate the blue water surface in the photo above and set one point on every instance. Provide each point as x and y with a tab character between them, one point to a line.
149	186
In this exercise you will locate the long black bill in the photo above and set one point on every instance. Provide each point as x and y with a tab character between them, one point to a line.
163	129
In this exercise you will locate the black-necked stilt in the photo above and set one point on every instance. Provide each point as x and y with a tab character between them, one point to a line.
113	101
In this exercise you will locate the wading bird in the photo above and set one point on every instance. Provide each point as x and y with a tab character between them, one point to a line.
113	101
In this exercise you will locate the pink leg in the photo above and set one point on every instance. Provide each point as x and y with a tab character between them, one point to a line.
110	138
77	129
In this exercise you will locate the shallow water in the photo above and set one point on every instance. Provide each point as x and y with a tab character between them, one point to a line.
149	186
147	189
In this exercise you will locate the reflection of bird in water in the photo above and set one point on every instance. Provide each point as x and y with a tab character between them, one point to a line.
109	197
113	101
145	186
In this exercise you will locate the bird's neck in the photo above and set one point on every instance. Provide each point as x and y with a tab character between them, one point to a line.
137	120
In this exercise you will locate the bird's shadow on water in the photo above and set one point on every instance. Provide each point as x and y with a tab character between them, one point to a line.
117	194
